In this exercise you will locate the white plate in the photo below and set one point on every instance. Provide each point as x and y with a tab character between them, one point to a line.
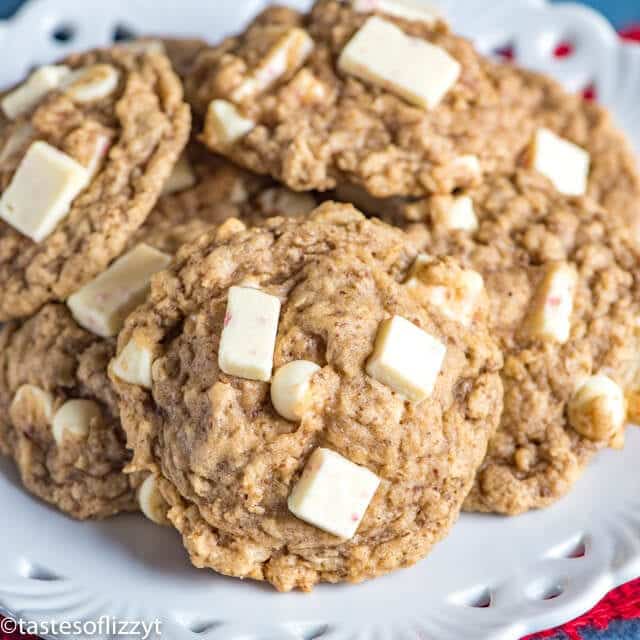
52	568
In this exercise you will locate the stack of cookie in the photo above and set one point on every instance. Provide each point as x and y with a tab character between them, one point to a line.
308	293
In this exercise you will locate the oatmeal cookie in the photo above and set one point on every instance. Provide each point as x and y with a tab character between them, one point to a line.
614	180
323	302
49	362
218	190
316	126
563	279
61	361
100	133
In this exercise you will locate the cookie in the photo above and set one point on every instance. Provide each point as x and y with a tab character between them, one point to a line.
613	178
316	125
212	190
563	279
50	366
306	99
101	133
248	460
82	473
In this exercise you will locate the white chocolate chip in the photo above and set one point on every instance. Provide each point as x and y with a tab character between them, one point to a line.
38	401
181	178
422	260
30	93
564	163
133	363
454	214
18	139
101	146
418	71
92	83
103	304
151	502
598	409
286	55
290	388
455	294
468	163
248	338
552	305
406	358
225	123
74	417
416	10
333	493
36	211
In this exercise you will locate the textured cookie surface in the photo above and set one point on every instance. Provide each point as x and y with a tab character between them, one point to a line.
614	179
229	461
525	229
146	124
83	477
220	191
317	127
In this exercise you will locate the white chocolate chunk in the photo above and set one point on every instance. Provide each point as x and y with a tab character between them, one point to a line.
151	502
16	141
225	122
92	83
74	417
552	306
42	191
103	304
416	10
455	214
469	163
181	178
290	388
564	163
38	401
287	54
30	93
406	358
248	338
455	294
416	70
333	493
133	363
598	409
101	147
421	261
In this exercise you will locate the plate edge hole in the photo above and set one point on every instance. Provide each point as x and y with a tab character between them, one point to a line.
123	33
478	598
547	589
574	549
64	33
34	571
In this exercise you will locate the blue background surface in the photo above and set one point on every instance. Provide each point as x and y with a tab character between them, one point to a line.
620	12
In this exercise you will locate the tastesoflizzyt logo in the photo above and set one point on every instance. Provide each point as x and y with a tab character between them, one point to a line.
103	626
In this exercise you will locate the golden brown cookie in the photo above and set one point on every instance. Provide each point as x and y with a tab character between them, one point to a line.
202	412
314	125
563	278
102	132
47	363
81	473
